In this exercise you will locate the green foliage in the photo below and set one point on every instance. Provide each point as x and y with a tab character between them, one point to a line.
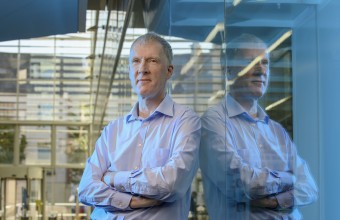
7	133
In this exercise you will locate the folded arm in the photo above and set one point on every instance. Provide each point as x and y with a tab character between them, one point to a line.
221	162
174	178
93	191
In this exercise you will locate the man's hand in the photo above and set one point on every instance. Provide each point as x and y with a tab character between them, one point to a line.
142	202
268	202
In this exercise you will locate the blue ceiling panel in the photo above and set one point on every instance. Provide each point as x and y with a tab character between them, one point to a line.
20	19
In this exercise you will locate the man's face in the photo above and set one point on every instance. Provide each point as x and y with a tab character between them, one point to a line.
252	83
149	70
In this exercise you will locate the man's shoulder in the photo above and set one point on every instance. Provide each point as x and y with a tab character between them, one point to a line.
277	126
215	111
180	109
116	121
274	123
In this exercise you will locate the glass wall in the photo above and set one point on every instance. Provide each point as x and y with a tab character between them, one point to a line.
199	32
241	155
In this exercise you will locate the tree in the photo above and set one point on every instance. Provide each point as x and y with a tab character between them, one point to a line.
7	134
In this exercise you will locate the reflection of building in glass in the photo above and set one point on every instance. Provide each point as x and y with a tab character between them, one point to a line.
13	72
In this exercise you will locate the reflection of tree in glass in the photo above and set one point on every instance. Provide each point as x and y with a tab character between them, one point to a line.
76	145
74	175
7	133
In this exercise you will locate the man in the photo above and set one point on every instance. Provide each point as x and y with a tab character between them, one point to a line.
250	167
143	163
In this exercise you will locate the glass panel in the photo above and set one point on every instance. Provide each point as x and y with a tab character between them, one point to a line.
61	193
37	145
244	149
196	30
7	137
35	198
203	79
8	104
197	82
277	100
58	88
111	34
9	65
49	78
8	83
10	199
22	200
72	142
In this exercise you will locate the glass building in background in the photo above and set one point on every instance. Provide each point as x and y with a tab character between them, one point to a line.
58	91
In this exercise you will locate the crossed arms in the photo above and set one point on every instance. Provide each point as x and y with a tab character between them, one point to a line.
102	185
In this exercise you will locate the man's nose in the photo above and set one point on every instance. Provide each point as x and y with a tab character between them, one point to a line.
143	67
260	67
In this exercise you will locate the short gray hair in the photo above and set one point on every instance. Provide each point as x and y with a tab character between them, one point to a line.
153	37
244	41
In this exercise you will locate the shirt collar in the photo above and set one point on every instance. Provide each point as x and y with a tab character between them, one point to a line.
233	108
165	108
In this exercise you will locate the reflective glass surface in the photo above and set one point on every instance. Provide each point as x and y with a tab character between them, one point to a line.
37	146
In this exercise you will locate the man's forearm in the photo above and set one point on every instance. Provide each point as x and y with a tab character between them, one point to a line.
268	202
136	201
142	202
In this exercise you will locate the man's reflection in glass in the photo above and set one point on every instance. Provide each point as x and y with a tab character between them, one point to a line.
250	166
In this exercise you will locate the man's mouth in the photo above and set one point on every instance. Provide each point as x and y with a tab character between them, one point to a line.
143	80
258	82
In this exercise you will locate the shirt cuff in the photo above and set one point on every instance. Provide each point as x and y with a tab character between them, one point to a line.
285	200
122	181
122	201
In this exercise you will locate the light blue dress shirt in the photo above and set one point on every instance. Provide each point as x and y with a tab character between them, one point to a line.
155	157
243	159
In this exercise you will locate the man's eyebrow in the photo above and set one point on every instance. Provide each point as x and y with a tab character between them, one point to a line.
145	58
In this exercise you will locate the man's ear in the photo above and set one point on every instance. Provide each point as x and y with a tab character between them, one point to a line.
228	73
170	71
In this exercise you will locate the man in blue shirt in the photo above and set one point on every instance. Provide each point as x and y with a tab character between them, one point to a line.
250	166
144	163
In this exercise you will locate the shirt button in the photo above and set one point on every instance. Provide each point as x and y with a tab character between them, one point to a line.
139	145
136	167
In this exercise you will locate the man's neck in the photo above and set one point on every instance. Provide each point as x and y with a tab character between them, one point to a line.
146	106
249	104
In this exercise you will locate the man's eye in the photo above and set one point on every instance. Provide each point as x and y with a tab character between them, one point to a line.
264	62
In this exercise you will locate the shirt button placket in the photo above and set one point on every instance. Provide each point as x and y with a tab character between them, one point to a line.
140	144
